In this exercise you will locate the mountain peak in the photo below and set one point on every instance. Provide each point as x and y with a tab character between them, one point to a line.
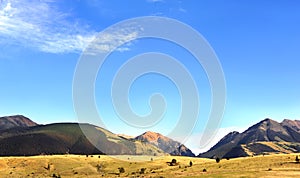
268	120
265	136
152	136
8	122
266	124
293	124
164	143
152	133
290	121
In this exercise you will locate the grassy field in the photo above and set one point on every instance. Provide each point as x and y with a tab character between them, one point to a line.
147	166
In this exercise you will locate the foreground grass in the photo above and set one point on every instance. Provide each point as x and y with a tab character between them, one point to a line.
107	166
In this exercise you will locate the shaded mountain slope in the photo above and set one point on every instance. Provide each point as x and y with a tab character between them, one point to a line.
292	124
266	130
67	138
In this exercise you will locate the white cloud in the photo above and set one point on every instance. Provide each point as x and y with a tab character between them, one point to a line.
42	26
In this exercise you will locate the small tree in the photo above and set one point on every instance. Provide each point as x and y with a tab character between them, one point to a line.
217	160
297	159
191	163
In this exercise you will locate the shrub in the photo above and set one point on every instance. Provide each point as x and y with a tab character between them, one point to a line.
191	163
121	169
56	176
217	160
297	159
204	170
99	167
173	162
143	170
48	167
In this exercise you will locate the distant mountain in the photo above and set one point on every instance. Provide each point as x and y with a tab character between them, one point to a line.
164	143
265	137
8	122
21	136
68	138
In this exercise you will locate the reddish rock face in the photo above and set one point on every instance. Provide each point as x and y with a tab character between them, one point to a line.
164	143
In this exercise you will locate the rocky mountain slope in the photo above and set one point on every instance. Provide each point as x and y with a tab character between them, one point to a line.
164	143
265	137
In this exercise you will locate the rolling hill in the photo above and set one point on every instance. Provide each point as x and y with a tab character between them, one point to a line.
20	136
265	137
65	138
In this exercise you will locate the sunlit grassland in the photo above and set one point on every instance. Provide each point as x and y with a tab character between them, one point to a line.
281	165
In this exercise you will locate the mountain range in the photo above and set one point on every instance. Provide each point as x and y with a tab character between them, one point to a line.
21	136
266	137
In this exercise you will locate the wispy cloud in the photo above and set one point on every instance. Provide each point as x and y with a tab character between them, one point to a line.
41	25
112	38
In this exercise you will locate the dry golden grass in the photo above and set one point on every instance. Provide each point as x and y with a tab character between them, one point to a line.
107	166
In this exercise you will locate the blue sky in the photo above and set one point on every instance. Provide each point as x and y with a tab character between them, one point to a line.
257	43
